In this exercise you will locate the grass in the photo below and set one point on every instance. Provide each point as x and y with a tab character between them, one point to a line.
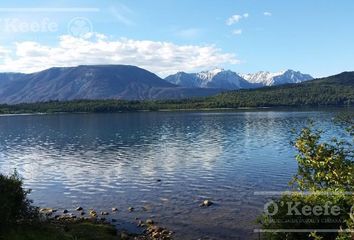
61	231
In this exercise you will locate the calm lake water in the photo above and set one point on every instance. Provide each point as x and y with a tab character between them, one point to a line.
114	160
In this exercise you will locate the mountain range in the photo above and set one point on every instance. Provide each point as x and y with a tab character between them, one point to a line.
337	90
226	79
130	83
91	82
272	79
216	78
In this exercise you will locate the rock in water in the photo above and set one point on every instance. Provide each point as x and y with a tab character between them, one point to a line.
206	203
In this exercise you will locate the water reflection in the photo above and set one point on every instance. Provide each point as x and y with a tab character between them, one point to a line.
105	160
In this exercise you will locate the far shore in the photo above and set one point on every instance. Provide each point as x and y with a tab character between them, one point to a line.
272	108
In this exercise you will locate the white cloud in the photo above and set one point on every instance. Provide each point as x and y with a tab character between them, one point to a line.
233	19
236	18
237	32
267	14
160	57
3	52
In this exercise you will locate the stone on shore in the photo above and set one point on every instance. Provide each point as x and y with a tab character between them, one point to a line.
93	213
149	221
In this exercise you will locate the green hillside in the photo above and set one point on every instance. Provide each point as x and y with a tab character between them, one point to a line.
334	90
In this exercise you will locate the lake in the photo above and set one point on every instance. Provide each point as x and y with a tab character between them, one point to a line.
164	164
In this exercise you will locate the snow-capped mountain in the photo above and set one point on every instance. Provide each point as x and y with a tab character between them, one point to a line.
226	79
207	76
270	79
216	78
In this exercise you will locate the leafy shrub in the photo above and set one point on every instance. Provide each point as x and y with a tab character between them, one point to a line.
15	207
325	178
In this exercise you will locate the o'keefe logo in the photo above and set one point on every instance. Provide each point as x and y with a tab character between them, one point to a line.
79	26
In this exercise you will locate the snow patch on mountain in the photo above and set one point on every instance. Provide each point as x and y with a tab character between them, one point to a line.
215	78
265	78
226	79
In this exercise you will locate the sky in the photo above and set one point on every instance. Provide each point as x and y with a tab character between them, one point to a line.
167	36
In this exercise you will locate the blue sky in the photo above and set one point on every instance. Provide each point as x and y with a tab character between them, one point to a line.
165	36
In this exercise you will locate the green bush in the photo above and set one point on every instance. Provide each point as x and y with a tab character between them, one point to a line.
325	177
15	207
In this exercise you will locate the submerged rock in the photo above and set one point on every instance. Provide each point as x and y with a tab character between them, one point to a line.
206	203
79	209
114	209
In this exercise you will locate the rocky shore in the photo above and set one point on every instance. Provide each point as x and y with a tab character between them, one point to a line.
149	228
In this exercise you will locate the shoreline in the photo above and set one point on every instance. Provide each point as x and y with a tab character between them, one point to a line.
144	229
275	108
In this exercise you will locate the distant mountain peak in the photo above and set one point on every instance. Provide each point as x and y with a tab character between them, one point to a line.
227	79
215	78
209	74
265	78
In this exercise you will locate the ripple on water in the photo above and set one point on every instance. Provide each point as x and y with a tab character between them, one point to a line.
114	160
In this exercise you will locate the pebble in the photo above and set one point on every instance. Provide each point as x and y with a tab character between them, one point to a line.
124	236
149	221
93	213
